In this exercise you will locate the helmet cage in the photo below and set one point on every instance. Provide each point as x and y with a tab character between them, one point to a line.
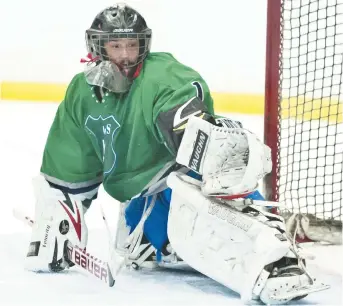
113	23
96	40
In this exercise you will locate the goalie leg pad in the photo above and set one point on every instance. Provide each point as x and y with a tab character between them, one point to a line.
58	217
221	242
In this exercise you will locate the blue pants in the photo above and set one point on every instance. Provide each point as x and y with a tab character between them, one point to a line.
155	227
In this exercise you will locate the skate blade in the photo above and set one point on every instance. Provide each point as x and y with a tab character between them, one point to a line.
296	292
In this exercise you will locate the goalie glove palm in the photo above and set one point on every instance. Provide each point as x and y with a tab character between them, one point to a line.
231	160
58	217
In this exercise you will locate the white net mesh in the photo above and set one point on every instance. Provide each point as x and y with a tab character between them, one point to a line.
310	133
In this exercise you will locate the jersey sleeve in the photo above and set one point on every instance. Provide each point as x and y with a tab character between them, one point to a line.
69	158
175	106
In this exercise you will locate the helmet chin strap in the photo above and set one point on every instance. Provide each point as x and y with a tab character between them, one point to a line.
138	70
132	72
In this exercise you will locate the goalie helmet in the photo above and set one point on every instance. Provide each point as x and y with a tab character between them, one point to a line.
112	24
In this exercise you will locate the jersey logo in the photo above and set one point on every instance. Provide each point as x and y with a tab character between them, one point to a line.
187	107
103	130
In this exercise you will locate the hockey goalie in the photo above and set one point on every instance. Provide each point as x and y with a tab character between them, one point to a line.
143	125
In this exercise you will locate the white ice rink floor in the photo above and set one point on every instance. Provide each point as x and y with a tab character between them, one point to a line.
23	131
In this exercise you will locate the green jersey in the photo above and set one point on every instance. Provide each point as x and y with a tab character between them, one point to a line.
123	141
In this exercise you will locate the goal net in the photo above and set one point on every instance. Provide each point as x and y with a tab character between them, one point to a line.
303	114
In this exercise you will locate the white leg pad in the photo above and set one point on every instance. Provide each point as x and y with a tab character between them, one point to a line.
219	241
123	231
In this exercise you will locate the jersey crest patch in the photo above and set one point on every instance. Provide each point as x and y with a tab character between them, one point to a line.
103	130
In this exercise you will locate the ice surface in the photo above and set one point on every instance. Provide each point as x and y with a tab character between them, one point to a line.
23	130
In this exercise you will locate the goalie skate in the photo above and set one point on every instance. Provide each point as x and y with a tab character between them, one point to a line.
289	283
296	293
